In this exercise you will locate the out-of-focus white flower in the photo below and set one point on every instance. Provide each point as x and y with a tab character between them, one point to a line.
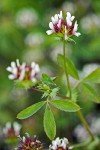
11	130
90	22
26	17
87	69
27	143
23	72
32	39
81	133
64	28
95	126
69	6
58	144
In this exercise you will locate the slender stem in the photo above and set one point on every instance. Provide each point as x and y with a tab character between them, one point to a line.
80	115
66	72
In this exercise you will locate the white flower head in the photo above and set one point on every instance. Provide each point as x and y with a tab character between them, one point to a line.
23	72
59	144
64	28
11	130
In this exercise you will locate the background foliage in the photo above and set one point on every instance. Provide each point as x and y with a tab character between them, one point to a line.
23	26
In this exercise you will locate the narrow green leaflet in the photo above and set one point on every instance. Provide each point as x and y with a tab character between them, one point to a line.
70	66
65	105
90	92
93	77
30	110
49	123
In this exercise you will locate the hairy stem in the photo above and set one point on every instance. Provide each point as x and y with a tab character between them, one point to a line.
66	72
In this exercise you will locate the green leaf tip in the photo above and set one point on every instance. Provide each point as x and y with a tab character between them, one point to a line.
30	110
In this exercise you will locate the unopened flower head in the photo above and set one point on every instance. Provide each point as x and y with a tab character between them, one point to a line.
60	144
11	131
23	71
26	143
63	26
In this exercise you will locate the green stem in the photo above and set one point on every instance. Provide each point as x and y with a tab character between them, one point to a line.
66	72
80	115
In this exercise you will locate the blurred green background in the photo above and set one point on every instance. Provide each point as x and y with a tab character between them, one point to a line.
23	26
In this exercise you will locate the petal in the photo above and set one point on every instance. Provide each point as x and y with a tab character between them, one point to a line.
14	71
22	75
72	18
75	26
65	140
33	73
17	61
37	69
24	139
60	15
68	15
49	32
53	19
9	69
56	18
16	127
33	64
77	34
8	125
23	66
11	76
59	23
69	23
13	64
51	25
